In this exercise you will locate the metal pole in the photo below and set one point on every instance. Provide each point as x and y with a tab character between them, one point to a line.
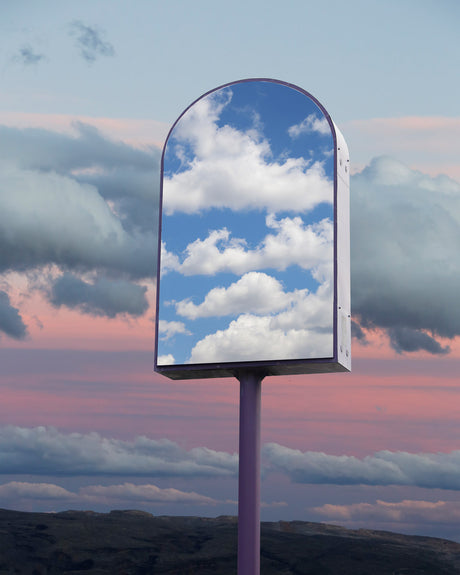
249	474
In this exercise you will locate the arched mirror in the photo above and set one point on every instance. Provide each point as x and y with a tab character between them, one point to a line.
249	246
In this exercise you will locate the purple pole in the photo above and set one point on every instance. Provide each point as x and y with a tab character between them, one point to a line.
249	474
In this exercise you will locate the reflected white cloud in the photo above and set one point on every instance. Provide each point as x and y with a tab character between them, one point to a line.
169	261
251	336
224	167
167	359
310	124
167	329
309	246
255	292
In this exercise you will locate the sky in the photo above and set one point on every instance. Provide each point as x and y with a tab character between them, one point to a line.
88	94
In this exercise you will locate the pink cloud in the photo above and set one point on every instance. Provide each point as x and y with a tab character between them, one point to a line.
136	132
427	144
401	512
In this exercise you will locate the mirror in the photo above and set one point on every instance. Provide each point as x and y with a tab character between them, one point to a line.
247	230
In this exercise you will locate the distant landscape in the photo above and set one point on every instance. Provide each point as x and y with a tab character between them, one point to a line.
138	543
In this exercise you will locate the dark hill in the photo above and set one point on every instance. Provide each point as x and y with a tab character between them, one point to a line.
134	542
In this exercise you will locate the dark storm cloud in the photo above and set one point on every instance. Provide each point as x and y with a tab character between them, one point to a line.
83	203
127	176
405	233
101	298
27	56
134	193
406	339
44	150
11	322
46	218
358	333
90	42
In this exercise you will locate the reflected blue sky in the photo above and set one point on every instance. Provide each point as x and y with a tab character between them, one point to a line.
247	229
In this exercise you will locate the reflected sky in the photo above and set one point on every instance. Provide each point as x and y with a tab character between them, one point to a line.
247	229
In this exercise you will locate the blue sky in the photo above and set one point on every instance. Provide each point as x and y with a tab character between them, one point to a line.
89	91
252	165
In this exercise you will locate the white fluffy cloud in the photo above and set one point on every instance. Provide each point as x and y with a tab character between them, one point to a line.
255	292
166	359
293	243
168	329
429	470
308	310
272	324
310	124
251	336
169	261
235	169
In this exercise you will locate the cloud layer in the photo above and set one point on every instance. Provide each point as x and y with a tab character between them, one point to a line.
401	512
101	494
46	451
429	470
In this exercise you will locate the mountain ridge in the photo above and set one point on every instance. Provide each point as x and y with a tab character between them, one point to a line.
133	542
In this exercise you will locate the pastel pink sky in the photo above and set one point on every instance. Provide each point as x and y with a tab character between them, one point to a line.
83	373
94	376
391	402
358	412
